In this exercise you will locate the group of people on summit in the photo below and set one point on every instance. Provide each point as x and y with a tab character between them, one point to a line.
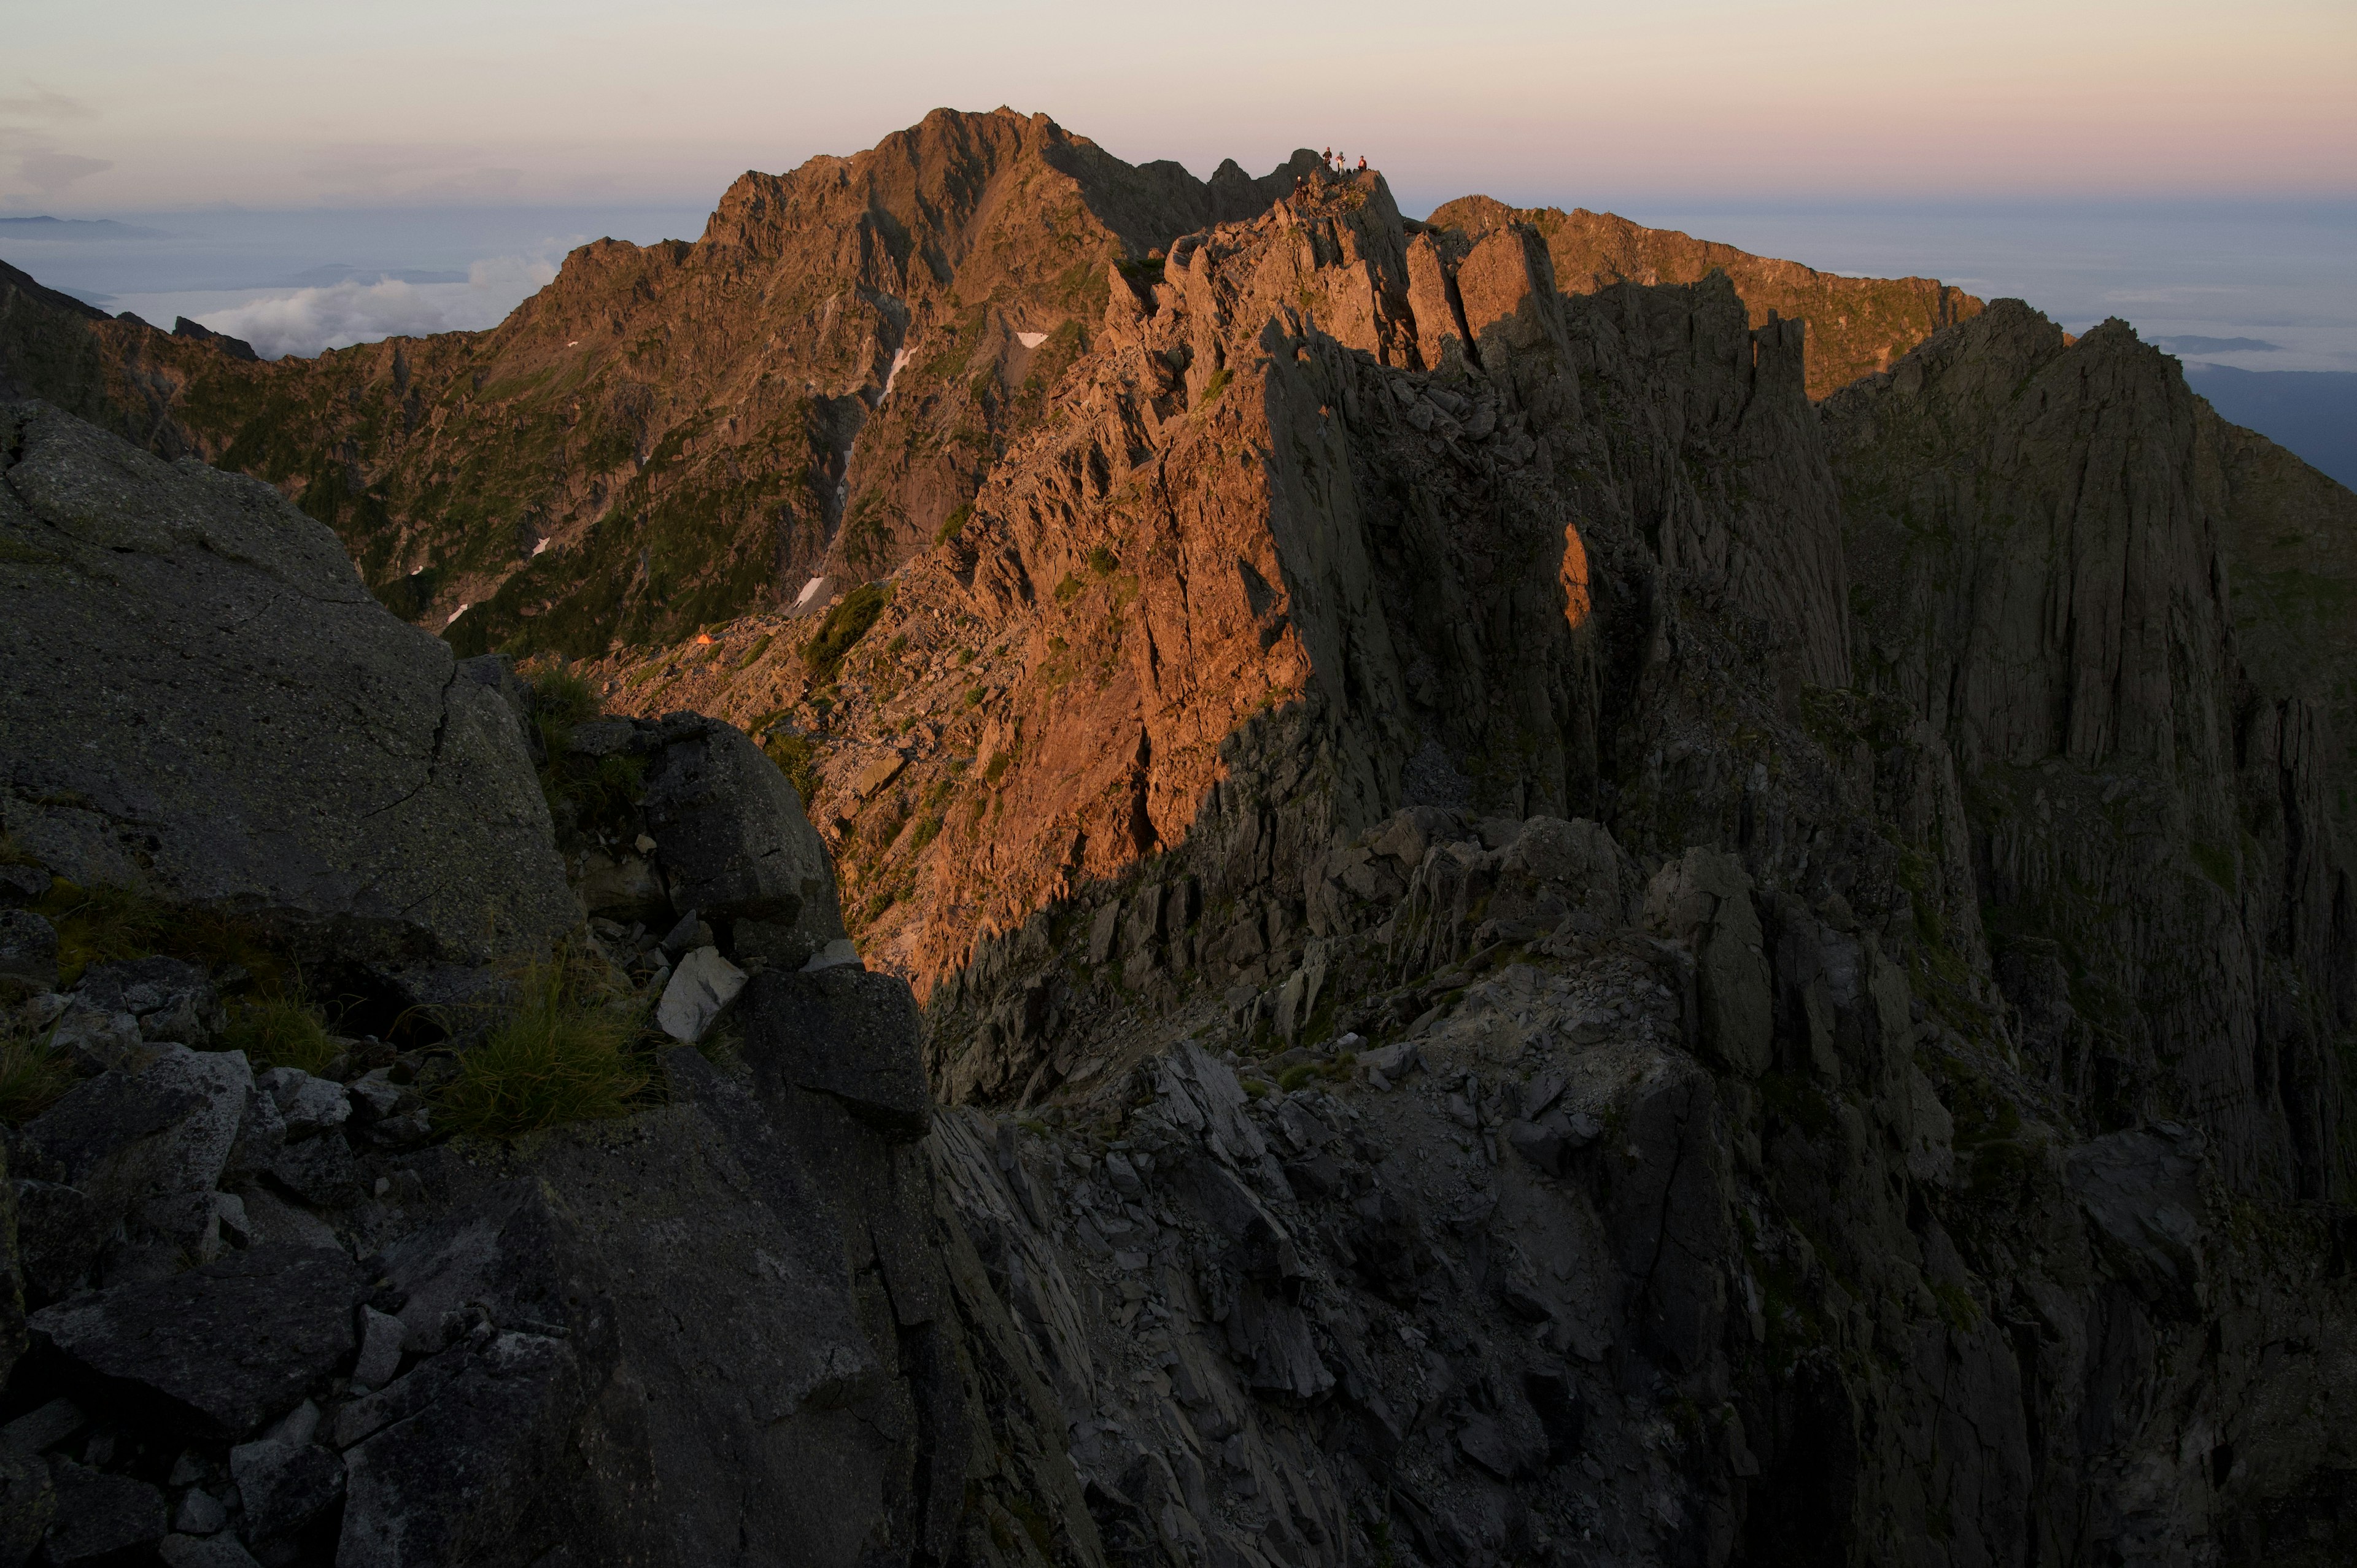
1335	163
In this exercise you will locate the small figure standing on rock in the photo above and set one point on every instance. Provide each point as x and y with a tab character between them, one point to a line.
1363	160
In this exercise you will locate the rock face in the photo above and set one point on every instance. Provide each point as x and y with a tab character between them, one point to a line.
1536	950
1927	943
871	332
205	701
1857	327
804	397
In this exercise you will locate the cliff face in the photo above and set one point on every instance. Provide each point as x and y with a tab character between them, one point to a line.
1858	326
670	435
1921	1061
1534	948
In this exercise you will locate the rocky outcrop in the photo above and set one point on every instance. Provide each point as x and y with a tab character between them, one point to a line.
1911	1066
812	393
278	1315
674	434
1535	949
1857	327
205	701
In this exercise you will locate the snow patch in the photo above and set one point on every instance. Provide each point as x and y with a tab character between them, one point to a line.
541	546
891	375
809	588
1031	340
462	609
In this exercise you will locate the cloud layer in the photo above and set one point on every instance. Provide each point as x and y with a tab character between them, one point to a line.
303	321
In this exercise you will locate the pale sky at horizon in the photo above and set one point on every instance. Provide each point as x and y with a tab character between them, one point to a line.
260	104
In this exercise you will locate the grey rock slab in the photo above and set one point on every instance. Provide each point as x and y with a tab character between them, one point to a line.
283	1486
143	1150
29	953
380	1358
204	699
44	1426
2140	1189
1704	897
270	1218
309	1105
1499	1448
99	1515
199	1512
320	1171
734	840
459	1478
231	1343
700	990
844	1033
204	1551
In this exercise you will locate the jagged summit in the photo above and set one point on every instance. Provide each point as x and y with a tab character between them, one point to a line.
802	398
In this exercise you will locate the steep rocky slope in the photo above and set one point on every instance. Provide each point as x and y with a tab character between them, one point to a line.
1534	946
1856	325
276	1313
1908	1117
672	435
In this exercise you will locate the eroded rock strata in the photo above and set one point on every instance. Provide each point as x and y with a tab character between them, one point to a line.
1533	948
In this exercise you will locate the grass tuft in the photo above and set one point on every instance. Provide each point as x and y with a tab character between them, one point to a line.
560	1056
844	625
32	1076
109	925
281	1027
562	702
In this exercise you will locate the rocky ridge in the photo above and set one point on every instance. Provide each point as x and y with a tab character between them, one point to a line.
1536	948
1994	1146
674	435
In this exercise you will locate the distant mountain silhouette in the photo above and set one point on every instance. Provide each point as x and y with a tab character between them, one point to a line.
2313	413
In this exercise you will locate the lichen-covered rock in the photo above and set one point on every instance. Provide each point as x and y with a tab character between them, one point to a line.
224	1346
207	701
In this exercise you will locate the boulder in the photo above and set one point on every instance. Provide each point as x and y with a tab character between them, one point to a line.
224	1347
205	699
843	1032
142	1150
701	989
733	839
99	1516
28	954
285	1485
309	1105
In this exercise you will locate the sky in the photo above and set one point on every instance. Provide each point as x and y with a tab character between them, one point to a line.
139	105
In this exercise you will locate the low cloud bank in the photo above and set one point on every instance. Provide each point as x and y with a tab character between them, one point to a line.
304	321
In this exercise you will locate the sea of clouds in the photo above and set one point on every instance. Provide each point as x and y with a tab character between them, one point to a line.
305	320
